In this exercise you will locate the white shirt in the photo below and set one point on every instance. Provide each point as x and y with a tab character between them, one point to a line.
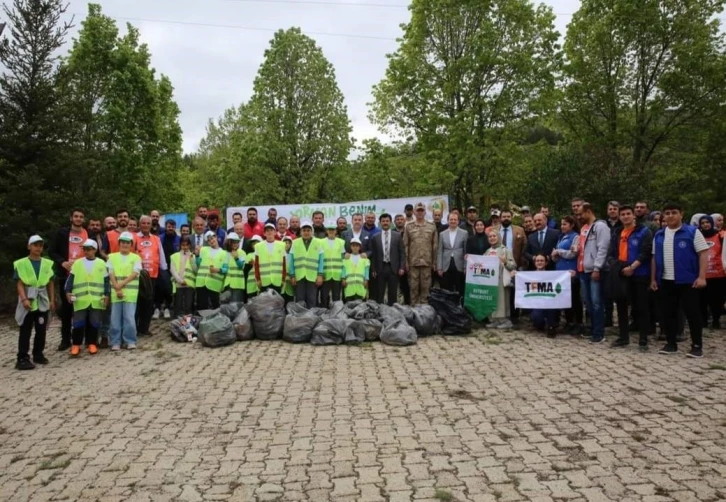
357	235
452	236
331	243
89	266
355	258
386	238
699	244
124	258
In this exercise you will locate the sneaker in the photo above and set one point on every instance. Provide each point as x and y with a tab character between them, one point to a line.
92	349
156	314
116	348
506	325
75	350
41	359
643	348
24	364
131	346
668	349
620	343
696	352
551	332
167	314
493	324
64	346
104	343
597	340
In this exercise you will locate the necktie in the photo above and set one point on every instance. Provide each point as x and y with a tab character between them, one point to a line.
386	254
541	237
504	239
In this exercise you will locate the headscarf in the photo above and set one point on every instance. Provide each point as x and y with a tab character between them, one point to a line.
653	214
479	240
499	238
696	218
707	233
716	216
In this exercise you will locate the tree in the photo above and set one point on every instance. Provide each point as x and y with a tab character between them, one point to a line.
467	75
299	127
636	72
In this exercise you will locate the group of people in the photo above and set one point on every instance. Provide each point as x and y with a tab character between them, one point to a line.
114	276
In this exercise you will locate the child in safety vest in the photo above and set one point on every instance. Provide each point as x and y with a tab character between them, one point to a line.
124	268
250	282
184	275
288	292
36	293
87	289
333	254
356	270
210	274
234	262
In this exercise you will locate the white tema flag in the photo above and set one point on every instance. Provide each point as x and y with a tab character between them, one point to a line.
543	290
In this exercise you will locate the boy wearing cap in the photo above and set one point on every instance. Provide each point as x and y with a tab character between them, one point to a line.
184	277
87	289
270	262
333	254
36	297
124	268
306	266
234	261
210	273
251	283
356	270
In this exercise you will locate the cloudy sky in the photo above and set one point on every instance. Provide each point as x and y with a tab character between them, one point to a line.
211	49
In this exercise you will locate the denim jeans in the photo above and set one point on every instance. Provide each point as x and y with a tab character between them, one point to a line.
123	323
592	297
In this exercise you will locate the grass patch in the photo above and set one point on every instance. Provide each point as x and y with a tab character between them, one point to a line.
677	399
443	495
717	367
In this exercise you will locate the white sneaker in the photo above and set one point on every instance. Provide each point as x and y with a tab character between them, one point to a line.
131	346
156	314
493	324
506	325
116	348
167	314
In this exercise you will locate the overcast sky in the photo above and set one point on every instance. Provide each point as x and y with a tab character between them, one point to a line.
213	67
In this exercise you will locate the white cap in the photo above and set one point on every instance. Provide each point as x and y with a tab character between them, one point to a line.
126	236
232	236
257	238
356	240
270	225
209	234
90	243
35	238
306	224
331	225
287	238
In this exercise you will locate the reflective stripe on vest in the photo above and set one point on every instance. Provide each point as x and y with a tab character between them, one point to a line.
251	285
235	278
270	264
88	287
355	277
333	259
122	270
214	281
190	277
26	273
306	260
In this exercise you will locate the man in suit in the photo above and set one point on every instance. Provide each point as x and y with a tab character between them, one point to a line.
514	239
542	241
358	232
450	263
387	260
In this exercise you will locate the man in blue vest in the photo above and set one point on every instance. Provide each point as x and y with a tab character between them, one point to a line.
677	273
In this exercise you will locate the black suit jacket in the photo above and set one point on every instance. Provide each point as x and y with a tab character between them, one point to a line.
396	251
364	237
533	248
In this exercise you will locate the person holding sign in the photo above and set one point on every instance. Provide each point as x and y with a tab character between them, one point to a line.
500	318
544	319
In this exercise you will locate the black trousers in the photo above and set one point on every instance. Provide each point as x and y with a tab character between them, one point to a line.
184	301
353	298
329	288
673	296
145	309
453	280
38	320
637	300
163	291
266	288
712	298
574	313
306	291
66	311
406	289
387	282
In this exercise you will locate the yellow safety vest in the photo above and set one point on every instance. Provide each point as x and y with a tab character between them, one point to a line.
333	259
190	274
88	287
26	273
205	279
121	270
235	275
355	277
270	263
287	289
306	260
251	283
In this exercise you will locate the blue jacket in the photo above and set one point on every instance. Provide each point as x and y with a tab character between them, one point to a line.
685	258
640	248
563	246
552	223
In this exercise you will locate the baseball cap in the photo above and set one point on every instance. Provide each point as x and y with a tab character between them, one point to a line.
270	225
256	238
35	238
496	212
526	209
126	236
355	240
209	234
306	224
232	236
331	225
90	243
287	238
472	208
420	205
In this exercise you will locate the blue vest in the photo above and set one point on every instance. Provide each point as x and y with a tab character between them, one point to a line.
635	240
566	244
685	258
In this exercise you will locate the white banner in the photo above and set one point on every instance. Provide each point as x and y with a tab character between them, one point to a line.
543	290
333	211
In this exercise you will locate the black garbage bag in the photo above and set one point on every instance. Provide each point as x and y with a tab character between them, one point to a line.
225	297
350	306
367	310
243	326
216	331
399	333
185	328
231	309
319	311
267	311
456	320
330	332
424	320
299	328
296	308
365	330
337	311
406	311
389	315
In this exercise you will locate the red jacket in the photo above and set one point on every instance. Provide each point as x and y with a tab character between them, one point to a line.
252	230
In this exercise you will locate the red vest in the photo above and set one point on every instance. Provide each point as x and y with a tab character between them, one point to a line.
75	245
148	249
113	236
715	265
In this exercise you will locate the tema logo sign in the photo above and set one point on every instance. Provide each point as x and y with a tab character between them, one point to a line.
542	289
479	270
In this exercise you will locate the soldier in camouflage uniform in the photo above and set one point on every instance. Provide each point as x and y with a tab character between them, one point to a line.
420	240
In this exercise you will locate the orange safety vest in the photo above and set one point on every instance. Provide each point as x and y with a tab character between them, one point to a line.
715	265
113	236
75	245
148	249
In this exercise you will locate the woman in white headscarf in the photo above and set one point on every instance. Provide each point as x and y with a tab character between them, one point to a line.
696	218
718	222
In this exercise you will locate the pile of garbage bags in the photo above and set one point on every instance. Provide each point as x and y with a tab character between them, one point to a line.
266	317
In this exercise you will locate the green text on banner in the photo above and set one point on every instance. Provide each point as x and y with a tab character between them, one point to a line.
543	290
482	285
